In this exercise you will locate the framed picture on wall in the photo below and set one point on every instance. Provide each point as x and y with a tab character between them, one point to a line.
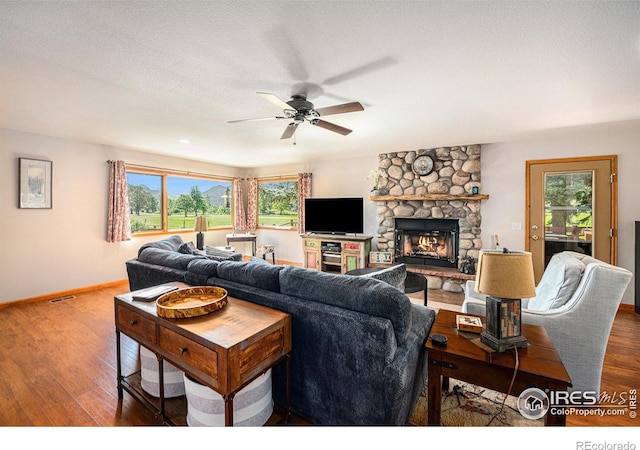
35	183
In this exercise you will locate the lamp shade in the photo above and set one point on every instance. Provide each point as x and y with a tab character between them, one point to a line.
505	275
201	224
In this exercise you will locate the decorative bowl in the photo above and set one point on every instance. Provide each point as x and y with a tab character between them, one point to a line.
191	302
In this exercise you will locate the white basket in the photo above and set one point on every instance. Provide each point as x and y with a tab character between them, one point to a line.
252	406
173	380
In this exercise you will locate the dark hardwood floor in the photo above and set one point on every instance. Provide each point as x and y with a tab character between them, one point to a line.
57	363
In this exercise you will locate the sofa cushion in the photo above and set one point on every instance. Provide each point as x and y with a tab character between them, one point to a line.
263	276
559	281
171	243
361	294
167	258
206	267
189	249
394	275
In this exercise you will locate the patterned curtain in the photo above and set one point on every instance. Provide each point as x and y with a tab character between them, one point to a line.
239	221
304	191
252	204
118	223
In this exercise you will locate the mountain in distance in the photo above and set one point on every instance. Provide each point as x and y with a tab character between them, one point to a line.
217	195
154	192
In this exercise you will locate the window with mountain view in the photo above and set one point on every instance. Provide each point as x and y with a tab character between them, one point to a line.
278	204
191	197
185	199
145	201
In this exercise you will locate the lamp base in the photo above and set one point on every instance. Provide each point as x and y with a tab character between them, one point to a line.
504	344
200	240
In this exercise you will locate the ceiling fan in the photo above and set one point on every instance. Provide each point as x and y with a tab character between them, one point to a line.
299	109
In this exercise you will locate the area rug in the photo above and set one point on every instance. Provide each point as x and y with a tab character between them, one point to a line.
468	405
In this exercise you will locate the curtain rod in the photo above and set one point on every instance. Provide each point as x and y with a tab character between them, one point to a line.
186	172
275	177
278	177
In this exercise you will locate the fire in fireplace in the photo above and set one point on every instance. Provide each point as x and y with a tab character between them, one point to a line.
426	241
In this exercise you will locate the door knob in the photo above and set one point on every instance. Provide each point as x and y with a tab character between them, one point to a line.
535	237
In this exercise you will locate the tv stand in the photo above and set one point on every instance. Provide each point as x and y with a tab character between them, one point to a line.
335	253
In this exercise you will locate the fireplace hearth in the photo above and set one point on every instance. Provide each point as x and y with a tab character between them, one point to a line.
426	241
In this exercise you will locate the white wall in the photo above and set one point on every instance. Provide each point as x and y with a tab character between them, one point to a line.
504	171
45	251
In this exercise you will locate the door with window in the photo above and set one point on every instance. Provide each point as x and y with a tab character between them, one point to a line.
571	205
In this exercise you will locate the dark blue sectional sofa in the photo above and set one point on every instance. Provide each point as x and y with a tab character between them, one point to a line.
358	354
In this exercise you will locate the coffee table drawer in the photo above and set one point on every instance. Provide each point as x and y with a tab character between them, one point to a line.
136	326
188	351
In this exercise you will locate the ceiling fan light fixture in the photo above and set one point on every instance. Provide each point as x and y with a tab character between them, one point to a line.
300	110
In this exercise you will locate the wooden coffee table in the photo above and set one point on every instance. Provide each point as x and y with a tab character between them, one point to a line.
539	365
224	350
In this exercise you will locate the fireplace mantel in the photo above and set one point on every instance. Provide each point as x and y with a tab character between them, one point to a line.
447	197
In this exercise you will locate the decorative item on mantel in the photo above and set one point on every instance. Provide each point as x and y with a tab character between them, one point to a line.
376	175
505	277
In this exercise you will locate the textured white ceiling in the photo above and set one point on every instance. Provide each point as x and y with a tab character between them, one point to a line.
142	75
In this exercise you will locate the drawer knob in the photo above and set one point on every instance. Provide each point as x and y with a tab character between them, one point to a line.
182	350
134	322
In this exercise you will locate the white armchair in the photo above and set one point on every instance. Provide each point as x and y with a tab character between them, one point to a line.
576	302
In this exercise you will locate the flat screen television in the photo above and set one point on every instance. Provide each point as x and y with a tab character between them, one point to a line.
334	215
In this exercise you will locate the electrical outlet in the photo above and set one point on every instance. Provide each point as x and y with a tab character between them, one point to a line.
516	225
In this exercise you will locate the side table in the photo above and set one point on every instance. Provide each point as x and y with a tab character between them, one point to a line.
224	350
539	365
243	237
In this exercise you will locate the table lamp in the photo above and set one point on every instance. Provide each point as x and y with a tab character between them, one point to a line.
505	277
200	226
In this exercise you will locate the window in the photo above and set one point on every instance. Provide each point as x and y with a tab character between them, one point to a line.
169	202
278	204
145	201
190	197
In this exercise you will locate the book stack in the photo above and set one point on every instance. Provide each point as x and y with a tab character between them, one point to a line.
470	324
151	294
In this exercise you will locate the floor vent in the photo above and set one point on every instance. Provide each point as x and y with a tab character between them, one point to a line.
60	299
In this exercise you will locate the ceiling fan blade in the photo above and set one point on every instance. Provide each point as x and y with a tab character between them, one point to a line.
255	120
362	70
331	127
339	109
275	100
288	132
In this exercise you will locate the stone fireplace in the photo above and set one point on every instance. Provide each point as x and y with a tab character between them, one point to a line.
448	195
